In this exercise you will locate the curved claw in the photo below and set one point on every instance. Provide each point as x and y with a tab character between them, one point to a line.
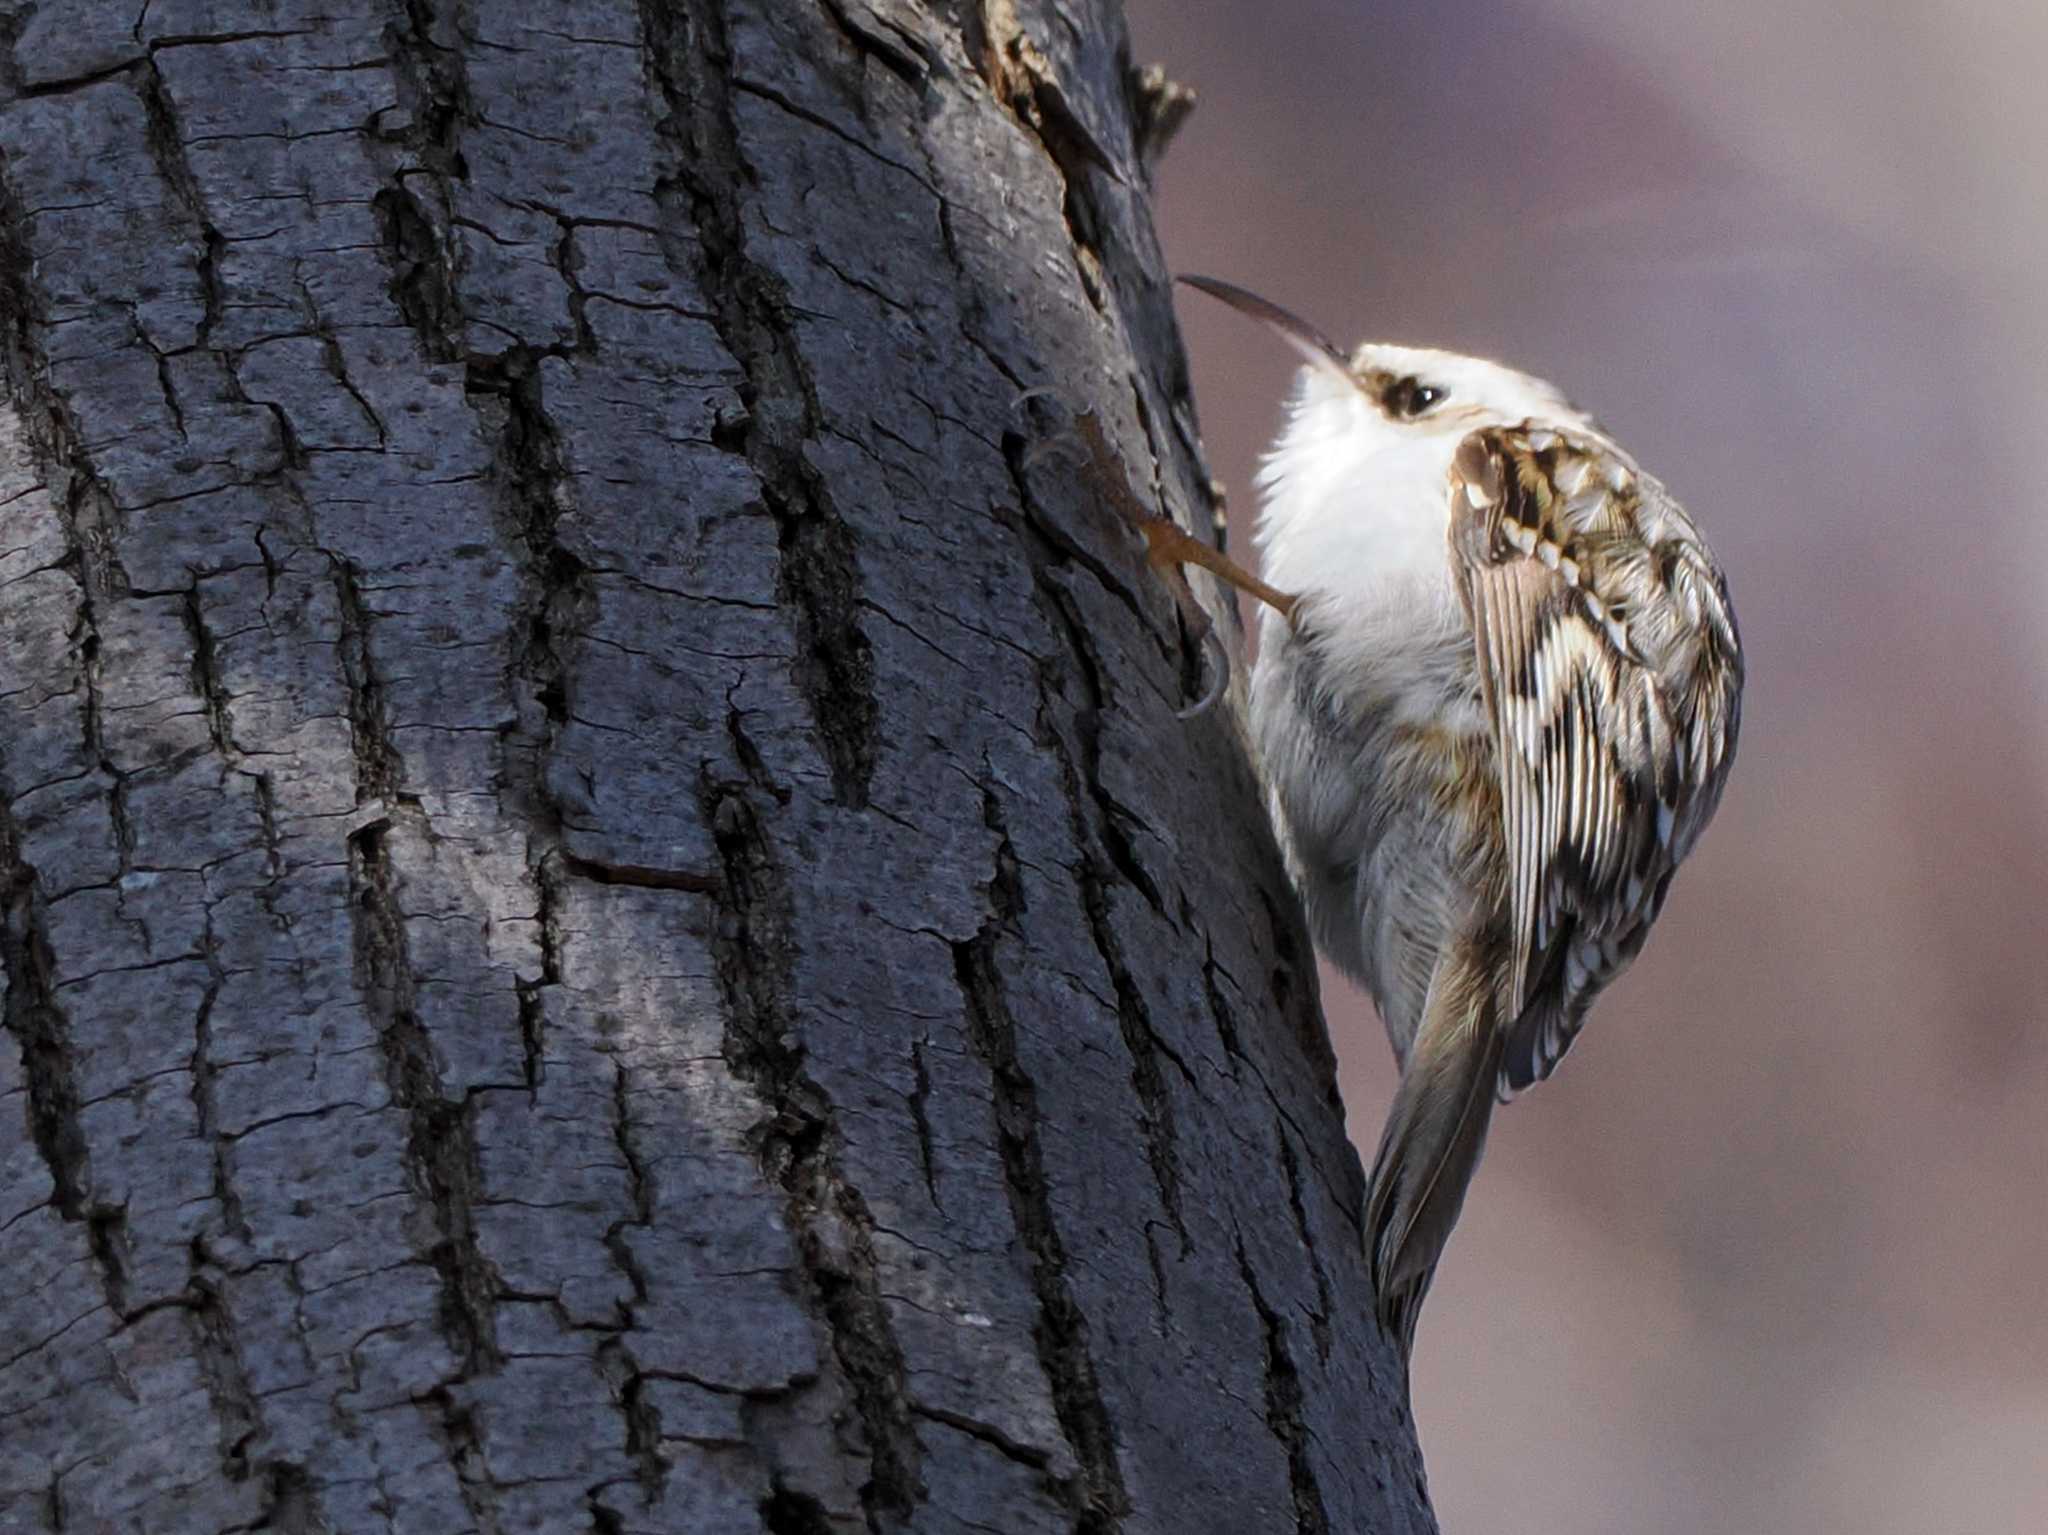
1212	641
1038	392
1168	545
1055	442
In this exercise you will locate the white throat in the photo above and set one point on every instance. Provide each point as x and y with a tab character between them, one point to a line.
1355	517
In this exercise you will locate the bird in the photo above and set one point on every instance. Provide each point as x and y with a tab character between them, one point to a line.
1496	697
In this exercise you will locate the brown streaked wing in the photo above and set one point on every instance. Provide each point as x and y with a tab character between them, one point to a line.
1608	667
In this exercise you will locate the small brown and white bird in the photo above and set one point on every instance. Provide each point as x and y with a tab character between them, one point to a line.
1496	697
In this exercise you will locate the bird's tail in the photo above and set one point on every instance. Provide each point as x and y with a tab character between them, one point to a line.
1435	1132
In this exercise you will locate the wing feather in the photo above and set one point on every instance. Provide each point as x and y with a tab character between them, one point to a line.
1610	672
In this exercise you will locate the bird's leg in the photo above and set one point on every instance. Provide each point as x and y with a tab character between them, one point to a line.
1168	548
1161	534
1167	544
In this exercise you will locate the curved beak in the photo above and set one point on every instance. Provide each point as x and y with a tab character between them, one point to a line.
1316	349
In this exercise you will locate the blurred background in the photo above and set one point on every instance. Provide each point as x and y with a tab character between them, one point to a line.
1771	1251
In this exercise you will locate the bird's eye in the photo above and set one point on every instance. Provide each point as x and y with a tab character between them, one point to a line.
1410	397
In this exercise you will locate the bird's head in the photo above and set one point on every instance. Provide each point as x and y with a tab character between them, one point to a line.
1389	396
1371	433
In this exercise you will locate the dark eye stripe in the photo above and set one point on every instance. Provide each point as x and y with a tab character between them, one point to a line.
1407	397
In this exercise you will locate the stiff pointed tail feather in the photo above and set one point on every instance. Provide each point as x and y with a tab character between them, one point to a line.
1435	1132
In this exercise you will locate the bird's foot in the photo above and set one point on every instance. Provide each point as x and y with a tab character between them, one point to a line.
1168	546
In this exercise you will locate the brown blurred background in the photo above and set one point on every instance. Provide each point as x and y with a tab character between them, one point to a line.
1771	1251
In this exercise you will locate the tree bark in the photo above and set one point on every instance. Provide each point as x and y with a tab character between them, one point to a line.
607	923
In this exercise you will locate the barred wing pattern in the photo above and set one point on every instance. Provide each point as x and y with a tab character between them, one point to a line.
1611	672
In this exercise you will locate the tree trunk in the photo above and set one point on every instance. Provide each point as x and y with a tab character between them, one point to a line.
608	925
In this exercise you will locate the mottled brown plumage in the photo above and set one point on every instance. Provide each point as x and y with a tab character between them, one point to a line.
1608	661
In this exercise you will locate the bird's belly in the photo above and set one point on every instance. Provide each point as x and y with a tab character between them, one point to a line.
1385	795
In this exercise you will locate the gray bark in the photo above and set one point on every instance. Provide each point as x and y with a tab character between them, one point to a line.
607	925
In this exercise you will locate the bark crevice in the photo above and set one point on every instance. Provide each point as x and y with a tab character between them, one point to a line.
754	944
906	56
41	1030
206	675
1079	754
820	576
379	769
1097	1496
441	1144
1319	1321
1284	1407
167	147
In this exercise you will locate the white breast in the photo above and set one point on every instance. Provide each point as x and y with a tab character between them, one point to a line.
1357	523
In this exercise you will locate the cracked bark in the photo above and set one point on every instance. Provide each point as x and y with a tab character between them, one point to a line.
605	919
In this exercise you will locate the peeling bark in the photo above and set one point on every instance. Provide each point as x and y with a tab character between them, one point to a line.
606	921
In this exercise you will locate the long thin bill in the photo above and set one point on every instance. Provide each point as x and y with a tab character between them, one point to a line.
1315	348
